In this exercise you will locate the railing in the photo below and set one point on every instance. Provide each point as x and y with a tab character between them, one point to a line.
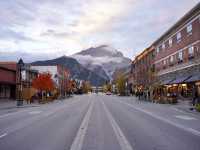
180	66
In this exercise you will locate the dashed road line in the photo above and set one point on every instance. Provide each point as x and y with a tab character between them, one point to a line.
184	117
34	112
190	130
78	141
123	142
178	110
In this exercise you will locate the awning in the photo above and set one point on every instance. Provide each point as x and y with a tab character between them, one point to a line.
166	82
193	78
180	80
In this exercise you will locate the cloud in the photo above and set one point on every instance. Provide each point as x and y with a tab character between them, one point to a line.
9	34
66	27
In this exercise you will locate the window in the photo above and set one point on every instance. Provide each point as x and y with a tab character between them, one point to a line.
157	49
178	37
191	51
170	42
171	59
189	28
180	55
164	62
163	46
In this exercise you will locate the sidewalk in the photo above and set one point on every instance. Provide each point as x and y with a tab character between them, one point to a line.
186	105
9	104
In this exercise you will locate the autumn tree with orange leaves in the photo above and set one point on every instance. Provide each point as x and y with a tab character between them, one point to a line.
43	82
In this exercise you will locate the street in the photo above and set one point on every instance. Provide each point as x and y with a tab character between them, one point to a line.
99	122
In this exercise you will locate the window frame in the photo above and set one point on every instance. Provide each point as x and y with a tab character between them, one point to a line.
189	28
189	51
180	53
170	42
163	46
157	49
171	59
178	37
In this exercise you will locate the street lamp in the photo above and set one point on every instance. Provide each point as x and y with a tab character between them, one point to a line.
126	89
20	66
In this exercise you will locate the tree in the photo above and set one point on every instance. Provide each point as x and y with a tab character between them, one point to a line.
107	87
86	87
121	84
43	83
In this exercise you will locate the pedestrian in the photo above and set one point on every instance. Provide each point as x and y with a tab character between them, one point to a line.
138	93
149	95
145	95
195	97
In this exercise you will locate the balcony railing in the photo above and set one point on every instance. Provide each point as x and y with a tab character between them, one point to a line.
180	66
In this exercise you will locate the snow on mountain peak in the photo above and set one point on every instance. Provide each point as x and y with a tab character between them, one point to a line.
105	56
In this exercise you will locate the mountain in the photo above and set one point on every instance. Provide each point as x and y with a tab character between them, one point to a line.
103	60
76	69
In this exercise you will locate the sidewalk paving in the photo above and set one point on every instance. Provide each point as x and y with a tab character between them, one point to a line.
9	104
186	106
182	105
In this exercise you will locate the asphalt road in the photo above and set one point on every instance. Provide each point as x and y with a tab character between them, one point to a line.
99	122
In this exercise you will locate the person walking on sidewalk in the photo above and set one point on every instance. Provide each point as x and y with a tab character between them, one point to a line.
195	97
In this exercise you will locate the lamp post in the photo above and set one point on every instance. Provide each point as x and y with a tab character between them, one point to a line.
20	66
126	89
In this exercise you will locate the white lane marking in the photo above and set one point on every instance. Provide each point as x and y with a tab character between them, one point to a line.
190	130
78	141
13	113
178	110
1	136
123	142
184	117
34	112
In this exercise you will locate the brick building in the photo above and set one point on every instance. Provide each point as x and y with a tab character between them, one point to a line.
177	55
142	71
172	62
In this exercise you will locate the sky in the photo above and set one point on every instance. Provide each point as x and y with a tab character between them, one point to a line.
44	29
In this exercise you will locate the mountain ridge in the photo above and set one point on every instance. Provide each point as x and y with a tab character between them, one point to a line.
105	56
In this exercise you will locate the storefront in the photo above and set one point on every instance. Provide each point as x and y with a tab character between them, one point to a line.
194	82
7	83
7	91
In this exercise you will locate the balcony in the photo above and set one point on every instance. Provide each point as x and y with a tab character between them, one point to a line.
179	66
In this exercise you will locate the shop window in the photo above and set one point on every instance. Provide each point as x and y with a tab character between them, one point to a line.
178	37
170	42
